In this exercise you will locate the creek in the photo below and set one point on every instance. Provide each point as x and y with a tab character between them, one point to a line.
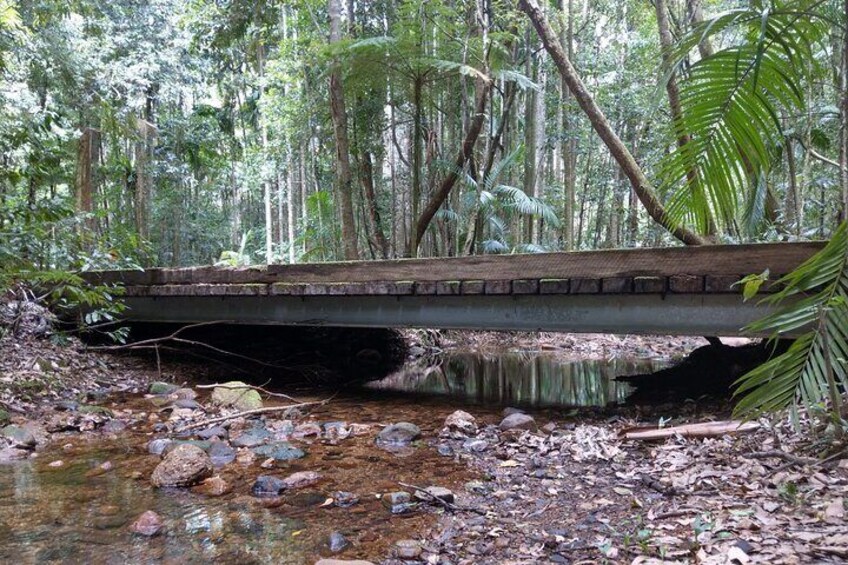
80	510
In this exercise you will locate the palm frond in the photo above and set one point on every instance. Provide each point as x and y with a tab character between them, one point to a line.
494	246
517	200
814	301
731	105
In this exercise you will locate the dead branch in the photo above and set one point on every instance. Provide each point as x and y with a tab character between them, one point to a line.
778	454
255	411
704	429
254	387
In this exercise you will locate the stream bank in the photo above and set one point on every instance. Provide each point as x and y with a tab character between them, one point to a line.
543	483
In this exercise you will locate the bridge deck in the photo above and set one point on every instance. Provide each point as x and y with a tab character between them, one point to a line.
669	290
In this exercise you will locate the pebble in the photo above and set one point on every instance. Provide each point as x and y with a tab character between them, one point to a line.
407	549
157	446
309	429
301	479
344	499
57	463
445	450
462	422
221	454
252	438
337	542
214	432
266	486
440	492
279	451
343	562
475	445
185	465
402	433
518	421
160	387
213	486
147	524
397	502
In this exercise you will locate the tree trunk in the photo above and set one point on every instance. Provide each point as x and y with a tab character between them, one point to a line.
843	123
569	144
631	169
146	134
367	179
417	143
339	114
483	86
87	159
671	88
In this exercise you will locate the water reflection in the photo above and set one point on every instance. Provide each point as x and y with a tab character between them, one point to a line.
518	378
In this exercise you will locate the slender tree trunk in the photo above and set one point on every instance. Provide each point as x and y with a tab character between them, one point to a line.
569	144
843	125
671	88
696	16
367	178
87	160
791	202
339	115
417	146
631	169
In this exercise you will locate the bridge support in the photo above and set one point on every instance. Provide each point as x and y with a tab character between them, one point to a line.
680	314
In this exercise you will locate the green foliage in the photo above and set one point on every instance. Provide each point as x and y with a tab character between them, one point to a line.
732	106
813	304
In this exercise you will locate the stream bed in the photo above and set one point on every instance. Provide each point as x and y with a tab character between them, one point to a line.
74	502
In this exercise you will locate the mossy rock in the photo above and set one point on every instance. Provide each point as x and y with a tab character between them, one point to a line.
162	388
92	409
232	396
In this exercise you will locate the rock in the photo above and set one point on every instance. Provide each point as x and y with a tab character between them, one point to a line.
204	445
245	457
440	492
335	431
4	417
157	446
462	422
187	404
114	427
509	411
445	450
236	395
185	465
215	431
213	486
266	486
305	430
407	549
252	438
279	451
185	394
337	542
20	437
301	479
11	454
549	427
307	499
518	421
221	454
160	388
343	562
475	445
477	487
344	499
148	524
402	433
398	502
67	405
94	409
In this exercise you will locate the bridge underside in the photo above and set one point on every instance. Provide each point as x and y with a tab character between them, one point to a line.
678	314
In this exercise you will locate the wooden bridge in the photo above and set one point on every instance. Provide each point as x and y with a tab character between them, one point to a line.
685	291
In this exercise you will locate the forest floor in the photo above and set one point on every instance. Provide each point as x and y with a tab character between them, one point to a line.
548	486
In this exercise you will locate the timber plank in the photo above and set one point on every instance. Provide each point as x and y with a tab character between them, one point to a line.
585	286
447	288
722	284
686	284
498	287
700	260
425	287
617	285
525	286
649	285
554	286
473	287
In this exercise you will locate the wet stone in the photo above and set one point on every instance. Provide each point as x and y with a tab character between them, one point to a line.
307	499
301	479
342	562
187	404
204	445
185	394
279	451
461	422
309	429
445	450
337	542
402	433
438	492
147	524
213	486
398	502
19	436
344	499
252	438
267	486
518	421
157	446
185	465
114	427
475	445
161	388
236	395
221	454
215	431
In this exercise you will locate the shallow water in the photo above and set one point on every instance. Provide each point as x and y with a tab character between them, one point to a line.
518	379
78	513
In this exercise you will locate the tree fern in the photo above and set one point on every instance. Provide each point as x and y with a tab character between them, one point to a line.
813	302
732	102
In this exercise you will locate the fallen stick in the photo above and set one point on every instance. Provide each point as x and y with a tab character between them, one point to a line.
777	454
268	410
704	429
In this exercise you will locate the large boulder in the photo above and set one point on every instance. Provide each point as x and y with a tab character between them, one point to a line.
402	433
184	465
462	422
19	436
236	394
518	421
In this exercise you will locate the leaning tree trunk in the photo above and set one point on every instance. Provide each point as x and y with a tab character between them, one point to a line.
638	180
339	113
